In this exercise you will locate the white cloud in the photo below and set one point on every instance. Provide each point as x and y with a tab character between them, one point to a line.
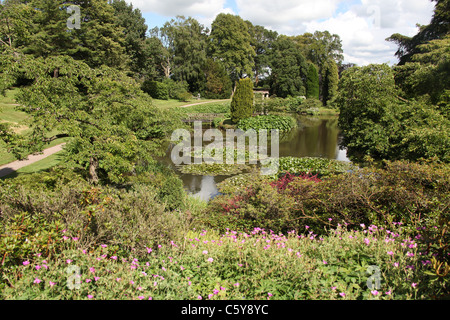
362	25
172	8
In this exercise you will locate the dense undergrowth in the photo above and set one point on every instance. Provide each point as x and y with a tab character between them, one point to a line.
300	235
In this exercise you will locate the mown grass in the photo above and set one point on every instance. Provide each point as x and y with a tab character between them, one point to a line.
9	113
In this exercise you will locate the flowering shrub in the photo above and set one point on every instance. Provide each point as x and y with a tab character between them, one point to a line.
369	263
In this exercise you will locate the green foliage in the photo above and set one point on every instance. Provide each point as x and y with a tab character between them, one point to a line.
330	81
315	166
320	47
156	89
176	89
218	84
312	82
142	213
270	122
414	194
185	40
374	124
289	69
437	29
427	74
215	266
110	120
242	101
262	42
230	42
214	169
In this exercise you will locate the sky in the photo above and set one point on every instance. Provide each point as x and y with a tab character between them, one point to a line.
362	25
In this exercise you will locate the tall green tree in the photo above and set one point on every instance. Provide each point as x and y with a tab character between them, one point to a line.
377	124
438	28
134	30
289	69
262	42
98	41
320	46
312	82
231	43
218	84
330	81
242	102
186	41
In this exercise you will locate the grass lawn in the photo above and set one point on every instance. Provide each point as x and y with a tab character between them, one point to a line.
171	103
38	166
8	113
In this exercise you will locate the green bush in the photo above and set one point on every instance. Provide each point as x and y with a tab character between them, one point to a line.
414	194
156	90
242	102
176	89
142	213
269	122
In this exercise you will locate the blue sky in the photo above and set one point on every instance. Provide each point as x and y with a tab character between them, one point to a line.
362	25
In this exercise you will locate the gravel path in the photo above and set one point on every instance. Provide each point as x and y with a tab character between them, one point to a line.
16	165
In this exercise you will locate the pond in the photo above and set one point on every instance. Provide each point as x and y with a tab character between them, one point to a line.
316	136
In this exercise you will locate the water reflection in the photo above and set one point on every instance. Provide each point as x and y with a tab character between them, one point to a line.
314	137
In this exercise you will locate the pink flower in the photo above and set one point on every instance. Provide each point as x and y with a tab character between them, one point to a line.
324	262
140	297
118	279
65	238
37	280
88	280
25	263
374	292
114	257
38	267
333	288
210	260
396	264
199	298
388	292
92	269
366	241
390	253
342	294
51	283
414	285
131	282
75	239
68	261
210	296
269	294
103	245
205	252
149	250
236	284
90	296
96	278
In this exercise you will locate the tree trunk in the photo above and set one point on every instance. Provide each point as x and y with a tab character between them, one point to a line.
93	166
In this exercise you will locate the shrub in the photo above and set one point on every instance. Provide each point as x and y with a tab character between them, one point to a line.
269	122
156	90
184	96
414	194
242	102
312	82
176	88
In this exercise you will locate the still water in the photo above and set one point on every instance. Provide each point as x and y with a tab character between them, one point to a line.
317	136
